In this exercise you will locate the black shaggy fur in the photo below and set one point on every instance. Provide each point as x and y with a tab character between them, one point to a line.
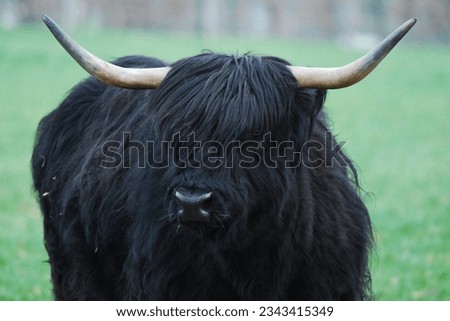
278	233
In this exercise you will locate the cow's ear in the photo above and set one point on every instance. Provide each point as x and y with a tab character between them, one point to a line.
310	101
320	95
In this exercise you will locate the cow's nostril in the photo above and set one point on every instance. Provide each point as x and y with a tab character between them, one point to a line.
193	205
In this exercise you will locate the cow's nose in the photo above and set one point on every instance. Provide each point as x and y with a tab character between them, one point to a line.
193	205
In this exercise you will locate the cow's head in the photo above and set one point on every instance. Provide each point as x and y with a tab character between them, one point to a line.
226	119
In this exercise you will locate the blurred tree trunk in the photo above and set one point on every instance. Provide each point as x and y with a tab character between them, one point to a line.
199	4
10	15
70	13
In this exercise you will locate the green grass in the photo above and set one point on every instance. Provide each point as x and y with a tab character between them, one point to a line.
396	124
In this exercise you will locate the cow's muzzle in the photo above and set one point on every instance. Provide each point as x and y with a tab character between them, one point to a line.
193	205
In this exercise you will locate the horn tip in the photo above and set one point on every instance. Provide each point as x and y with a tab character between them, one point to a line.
57	32
45	18
410	23
406	27
48	21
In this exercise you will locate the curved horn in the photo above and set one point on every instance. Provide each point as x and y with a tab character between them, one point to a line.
340	77
105	71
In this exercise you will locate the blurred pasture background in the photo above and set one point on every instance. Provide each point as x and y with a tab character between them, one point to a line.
396	123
